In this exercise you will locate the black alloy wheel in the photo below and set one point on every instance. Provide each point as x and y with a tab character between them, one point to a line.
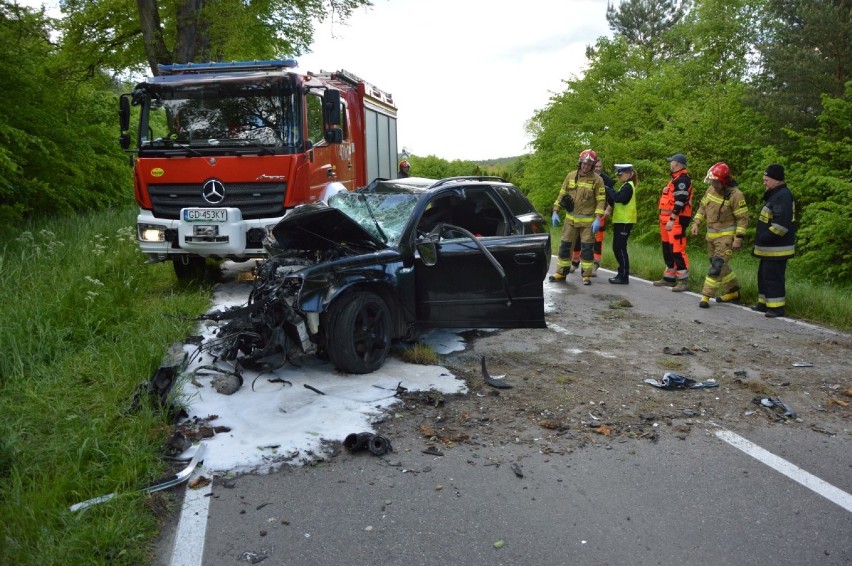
359	333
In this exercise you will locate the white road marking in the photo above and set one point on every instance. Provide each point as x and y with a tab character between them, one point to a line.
795	473
192	526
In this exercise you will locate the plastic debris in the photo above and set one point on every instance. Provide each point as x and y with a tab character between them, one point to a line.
776	403
674	381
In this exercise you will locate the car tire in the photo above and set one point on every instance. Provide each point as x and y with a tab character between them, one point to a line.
359	333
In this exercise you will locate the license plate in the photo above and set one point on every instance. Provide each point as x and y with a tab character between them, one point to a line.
205	215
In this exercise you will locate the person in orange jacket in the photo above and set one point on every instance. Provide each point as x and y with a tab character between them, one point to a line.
675	208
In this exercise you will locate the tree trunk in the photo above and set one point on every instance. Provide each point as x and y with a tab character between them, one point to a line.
152	34
192	41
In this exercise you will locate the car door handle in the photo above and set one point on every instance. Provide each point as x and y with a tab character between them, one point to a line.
525	259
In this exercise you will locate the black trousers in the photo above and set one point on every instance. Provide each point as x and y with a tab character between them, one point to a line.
771	282
621	233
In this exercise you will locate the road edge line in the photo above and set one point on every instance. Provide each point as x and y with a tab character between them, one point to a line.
192	524
795	473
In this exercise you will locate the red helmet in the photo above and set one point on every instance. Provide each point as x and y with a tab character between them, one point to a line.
719	172
404	164
588	156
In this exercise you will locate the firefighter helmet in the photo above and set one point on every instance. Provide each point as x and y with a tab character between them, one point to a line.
588	156
719	172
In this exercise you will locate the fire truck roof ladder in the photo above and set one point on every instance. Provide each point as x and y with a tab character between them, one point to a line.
228	67
354	79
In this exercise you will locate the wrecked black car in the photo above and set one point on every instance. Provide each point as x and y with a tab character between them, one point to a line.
345	279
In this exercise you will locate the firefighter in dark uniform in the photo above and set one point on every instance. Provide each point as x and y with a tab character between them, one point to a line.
583	197
774	241
723	209
675	207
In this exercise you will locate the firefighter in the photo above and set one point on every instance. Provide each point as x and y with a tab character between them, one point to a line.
597	249
774	241
623	219
404	166
583	197
723	209
675	207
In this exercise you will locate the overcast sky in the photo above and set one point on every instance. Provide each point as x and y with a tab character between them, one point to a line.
466	75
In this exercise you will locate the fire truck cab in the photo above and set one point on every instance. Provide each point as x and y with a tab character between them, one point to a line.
224	150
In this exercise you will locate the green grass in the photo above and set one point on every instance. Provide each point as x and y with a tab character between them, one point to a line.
807	298
84	322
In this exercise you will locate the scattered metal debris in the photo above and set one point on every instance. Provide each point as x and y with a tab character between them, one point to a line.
802	365
358	441
272	380
775	403
314	389
674	381
497	382
157	390
172	481
684	351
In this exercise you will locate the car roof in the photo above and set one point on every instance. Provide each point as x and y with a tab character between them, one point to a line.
420	185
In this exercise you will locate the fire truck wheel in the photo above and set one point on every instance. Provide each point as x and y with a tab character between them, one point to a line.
359	332
190	269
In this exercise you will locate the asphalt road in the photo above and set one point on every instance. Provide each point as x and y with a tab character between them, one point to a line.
699	500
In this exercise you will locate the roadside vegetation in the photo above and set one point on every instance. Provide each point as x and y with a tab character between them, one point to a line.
85	321
748	82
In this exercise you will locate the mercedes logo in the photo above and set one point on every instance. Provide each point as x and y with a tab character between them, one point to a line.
213	191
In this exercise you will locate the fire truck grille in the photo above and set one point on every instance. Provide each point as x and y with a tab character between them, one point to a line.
255	200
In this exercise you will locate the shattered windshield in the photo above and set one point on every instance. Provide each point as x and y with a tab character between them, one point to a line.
390	211
207	115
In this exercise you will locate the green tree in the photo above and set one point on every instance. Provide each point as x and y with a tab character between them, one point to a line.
805	51
820	175
122	34
57	140
642	22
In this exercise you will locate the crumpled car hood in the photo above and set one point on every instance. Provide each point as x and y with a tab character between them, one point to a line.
320	227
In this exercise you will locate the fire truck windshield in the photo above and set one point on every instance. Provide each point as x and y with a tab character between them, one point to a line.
217	118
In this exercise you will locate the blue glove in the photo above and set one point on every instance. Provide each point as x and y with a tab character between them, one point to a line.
555	219
596	226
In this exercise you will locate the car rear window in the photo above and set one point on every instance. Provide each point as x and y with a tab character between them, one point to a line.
517	202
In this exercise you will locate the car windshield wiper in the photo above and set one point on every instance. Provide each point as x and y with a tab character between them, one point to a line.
254	144
373	216
165	143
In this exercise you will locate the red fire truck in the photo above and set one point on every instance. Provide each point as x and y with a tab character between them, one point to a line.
224	150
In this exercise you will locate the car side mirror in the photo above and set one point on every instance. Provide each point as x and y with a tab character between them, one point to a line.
124	113
334	135
331	107
428	251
